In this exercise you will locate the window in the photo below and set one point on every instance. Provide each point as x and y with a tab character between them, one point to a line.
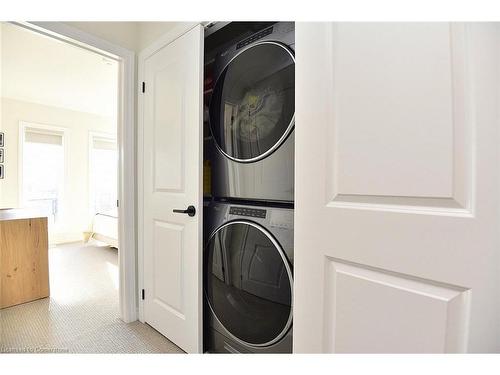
103	174
43	170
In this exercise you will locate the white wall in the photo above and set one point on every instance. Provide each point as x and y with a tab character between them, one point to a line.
151	31
38	69
79	125
125	34
134	36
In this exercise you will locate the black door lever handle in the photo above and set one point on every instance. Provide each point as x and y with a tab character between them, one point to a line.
191	211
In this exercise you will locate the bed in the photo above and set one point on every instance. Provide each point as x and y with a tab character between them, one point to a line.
105	227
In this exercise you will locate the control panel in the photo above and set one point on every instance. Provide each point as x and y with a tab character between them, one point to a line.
254	37
247	211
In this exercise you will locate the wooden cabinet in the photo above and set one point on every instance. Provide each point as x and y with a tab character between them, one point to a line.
23	258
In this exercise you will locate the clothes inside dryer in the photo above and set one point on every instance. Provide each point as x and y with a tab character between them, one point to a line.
252	106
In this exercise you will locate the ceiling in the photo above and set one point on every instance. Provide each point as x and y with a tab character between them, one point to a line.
40	69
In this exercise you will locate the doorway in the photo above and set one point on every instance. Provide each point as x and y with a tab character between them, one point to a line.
43	136
61	101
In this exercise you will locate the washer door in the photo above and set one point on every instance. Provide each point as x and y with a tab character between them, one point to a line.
252	109
248	283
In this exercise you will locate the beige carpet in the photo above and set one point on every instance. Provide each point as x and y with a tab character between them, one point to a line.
82	313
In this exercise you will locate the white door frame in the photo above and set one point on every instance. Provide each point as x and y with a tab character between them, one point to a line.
126	146
161	42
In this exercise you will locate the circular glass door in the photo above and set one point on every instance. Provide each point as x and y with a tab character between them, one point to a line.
252	109
248	283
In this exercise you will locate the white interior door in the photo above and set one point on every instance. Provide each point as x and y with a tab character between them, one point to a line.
397	182
172	165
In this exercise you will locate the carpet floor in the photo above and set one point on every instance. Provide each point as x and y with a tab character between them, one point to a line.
82	313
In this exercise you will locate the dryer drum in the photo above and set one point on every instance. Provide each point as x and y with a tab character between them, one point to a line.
252	108
248	283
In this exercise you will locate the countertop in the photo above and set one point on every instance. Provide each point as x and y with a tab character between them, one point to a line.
20	213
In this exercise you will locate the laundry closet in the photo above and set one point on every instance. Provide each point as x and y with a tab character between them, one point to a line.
249	117
320	187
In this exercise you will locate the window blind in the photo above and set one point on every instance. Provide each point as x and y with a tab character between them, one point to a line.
101	143
52	137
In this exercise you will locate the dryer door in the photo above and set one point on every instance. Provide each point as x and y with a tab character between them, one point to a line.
248	283
252	109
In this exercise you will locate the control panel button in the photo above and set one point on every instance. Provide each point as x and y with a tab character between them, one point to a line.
254	37
246	211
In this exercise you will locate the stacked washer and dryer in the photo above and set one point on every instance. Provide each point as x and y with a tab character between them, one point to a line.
249	187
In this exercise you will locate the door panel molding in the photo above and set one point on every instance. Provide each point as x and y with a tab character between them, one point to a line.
375	161
373	310
168	260
170	140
